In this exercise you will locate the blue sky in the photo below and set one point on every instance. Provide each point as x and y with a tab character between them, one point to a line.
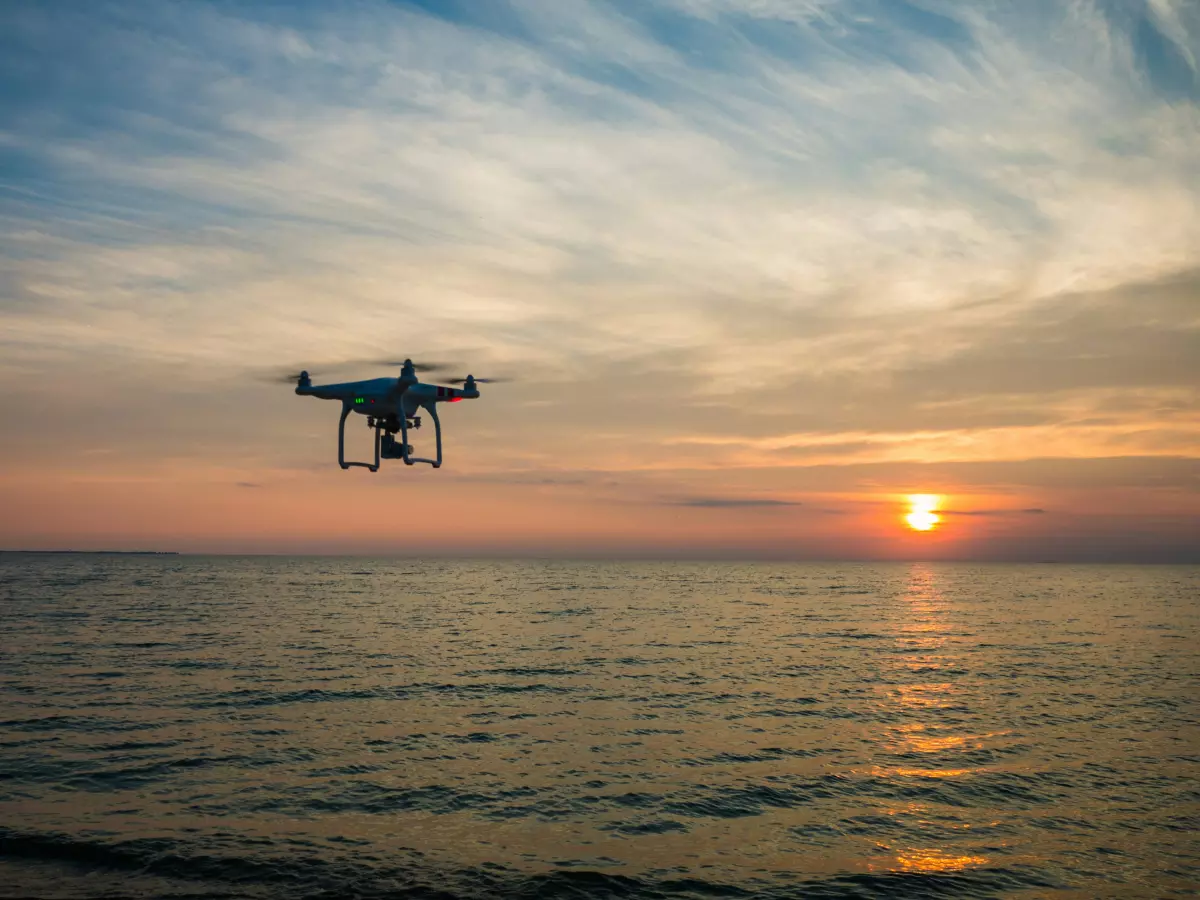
751	257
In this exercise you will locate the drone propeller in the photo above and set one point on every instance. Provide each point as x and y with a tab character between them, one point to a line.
291	374
418	367
477	380
283	378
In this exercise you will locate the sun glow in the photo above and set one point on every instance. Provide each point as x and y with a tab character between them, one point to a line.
922	515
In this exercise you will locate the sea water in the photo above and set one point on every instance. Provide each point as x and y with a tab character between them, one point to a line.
259	727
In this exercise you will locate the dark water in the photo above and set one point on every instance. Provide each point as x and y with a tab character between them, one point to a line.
348	727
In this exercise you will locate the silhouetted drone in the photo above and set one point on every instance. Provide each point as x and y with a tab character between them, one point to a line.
391	406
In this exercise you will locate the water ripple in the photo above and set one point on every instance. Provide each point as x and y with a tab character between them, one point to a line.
318	728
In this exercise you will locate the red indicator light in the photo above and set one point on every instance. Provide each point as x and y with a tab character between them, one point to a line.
455	399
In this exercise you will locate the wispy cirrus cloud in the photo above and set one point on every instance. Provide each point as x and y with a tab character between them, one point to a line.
734	502
1033	511
717	235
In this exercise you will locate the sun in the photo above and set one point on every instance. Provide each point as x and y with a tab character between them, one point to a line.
923	515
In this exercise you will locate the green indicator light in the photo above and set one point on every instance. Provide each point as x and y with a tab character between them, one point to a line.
358	399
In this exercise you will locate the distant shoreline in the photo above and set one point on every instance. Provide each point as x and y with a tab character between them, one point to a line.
102	552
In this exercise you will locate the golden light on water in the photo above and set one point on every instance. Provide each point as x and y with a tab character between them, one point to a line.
922	514
937	861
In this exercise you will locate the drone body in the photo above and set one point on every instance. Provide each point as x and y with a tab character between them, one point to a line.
392	406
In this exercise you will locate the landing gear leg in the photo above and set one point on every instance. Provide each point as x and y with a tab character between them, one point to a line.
346	410
431	408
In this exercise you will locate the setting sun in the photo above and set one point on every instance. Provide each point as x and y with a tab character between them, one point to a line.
922	515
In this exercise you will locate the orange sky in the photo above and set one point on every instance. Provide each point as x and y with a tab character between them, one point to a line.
752	296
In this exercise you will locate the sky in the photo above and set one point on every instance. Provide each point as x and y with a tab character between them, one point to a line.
760	270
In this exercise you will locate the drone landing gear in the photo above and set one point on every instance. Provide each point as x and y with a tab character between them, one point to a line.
386	445
408	458
346	410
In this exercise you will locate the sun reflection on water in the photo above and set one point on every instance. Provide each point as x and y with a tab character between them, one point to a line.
907	772
911	738
930	861
924	691
927	696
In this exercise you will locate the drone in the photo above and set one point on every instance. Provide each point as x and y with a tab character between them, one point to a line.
391	406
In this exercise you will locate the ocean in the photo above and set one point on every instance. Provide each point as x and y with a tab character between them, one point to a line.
189	726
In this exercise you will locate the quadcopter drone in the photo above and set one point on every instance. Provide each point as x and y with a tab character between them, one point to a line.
391	406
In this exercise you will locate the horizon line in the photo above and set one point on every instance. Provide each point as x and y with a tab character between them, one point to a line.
615	558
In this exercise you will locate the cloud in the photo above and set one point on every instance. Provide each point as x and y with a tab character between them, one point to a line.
992	512
733	236
733	502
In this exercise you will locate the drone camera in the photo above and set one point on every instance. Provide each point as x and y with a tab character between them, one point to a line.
390	448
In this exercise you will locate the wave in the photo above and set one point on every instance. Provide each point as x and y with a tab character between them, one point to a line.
257	871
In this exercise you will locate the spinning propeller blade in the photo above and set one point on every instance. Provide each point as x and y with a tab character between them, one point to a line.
281	378
478	380
341	368
419	367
